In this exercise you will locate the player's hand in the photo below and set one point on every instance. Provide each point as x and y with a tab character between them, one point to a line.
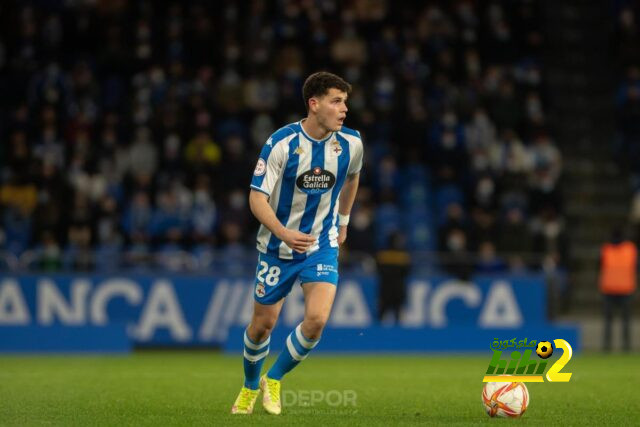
298	241
342	234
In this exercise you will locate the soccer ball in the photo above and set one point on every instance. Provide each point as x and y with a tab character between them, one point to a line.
544	349
505	399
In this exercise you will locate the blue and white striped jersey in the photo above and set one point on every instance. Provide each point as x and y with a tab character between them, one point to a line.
303	178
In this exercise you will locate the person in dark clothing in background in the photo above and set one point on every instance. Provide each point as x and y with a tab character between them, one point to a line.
618	266
394	264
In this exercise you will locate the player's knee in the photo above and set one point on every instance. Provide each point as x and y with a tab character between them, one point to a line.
260	328
313	326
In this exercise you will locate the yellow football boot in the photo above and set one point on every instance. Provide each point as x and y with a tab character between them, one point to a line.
245	401
270	395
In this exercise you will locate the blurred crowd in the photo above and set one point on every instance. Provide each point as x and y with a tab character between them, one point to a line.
130	128
628	99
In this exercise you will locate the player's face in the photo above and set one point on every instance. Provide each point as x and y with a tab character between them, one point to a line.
332	110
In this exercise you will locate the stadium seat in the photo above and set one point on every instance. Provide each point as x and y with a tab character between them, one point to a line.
415	193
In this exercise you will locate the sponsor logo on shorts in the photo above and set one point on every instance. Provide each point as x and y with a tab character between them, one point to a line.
325	269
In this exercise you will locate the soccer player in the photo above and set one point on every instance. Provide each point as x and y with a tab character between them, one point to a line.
302	191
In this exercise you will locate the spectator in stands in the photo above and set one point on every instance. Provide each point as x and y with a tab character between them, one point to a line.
168	221
137	218
489	262
547	164
455	220
483	229
143	157
49	256
451	89
515	239
361	230
201	152
204	215
550	238
78	254
456	259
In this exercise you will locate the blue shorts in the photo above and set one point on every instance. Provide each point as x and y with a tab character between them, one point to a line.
275	277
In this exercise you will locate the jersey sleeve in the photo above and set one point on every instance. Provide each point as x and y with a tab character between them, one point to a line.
356	157
272	159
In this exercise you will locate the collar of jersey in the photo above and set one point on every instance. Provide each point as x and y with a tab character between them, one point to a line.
313	139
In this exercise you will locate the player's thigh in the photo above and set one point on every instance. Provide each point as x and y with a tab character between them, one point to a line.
319	280
318	300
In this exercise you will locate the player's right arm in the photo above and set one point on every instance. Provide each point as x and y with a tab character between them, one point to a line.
261	209
269	169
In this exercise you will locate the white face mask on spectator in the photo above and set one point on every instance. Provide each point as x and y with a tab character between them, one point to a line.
456	241
448	140
361	219
485	188
449	120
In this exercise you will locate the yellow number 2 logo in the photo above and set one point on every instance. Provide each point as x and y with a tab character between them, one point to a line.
554	374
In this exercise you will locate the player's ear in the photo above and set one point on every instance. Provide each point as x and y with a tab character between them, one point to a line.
313	104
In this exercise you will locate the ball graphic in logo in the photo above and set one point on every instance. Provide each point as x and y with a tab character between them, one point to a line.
544	349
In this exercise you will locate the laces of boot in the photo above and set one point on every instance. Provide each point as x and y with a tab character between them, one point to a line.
246	397
274	390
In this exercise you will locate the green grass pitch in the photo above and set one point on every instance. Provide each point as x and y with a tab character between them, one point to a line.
198	388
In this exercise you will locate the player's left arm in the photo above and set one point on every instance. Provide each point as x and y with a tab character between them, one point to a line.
346	199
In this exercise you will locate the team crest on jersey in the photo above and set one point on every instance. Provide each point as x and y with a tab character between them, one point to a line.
261	168
299	151
316	181
336	148
260	289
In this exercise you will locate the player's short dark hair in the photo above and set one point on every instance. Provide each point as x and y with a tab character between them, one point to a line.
318	84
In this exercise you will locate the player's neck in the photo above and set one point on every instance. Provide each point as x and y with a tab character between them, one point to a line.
314	129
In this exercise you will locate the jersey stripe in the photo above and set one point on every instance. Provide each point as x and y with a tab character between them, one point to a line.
286	194
284	144
324	209
313	200
298	199
264	235
329	228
